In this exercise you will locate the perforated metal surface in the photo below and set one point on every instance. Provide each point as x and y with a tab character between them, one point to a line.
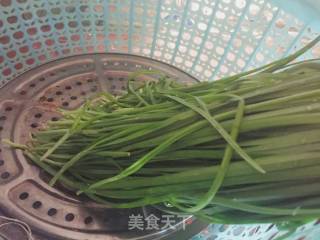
26	104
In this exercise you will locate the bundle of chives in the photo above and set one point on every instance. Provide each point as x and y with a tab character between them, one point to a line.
244	149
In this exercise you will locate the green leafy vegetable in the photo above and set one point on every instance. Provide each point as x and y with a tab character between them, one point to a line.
244	149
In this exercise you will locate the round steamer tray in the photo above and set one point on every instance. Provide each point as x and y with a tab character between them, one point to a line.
31	100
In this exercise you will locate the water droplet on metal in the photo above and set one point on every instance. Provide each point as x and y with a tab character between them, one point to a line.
176	17
190	22
172	18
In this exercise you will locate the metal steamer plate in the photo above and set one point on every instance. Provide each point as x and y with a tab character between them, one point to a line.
26	104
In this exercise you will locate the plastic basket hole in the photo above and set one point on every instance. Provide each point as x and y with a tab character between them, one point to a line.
214	237
199	68
50	99
231	57
1	128
41	12
56	11
5	3
27	15
42	79
252	231
179	59
60	26
52	212
113	87
270	227
58	93
223	228
240	3
159	53
316	52
220	50
90	80
220	15
23	92
79	83
254	9
195	6
68	87
73	97
292	31
208	73
238	231
260	57
88	220
269	42
1	162
72	24
37	204
70	9
99	23
69	217
240	63
83	93
23	196
237	42
84	8
12	19
32	85
280	49
280	23
4	39
3	118
86	23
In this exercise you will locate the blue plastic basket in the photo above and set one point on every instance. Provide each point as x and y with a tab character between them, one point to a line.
208	39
